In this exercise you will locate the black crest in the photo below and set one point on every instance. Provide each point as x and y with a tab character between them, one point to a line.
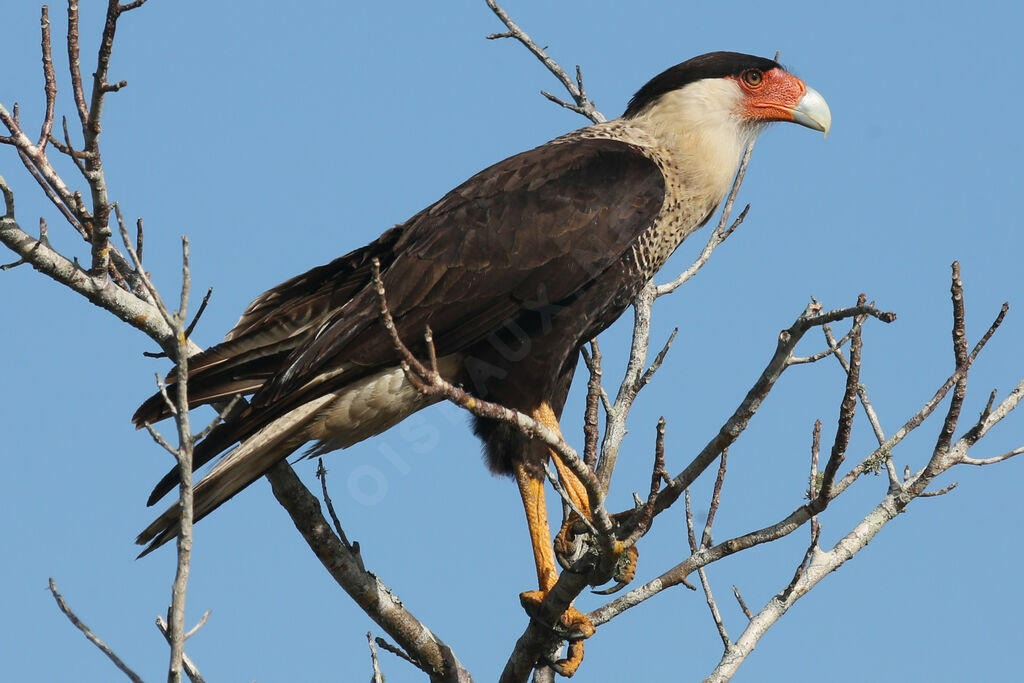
711	65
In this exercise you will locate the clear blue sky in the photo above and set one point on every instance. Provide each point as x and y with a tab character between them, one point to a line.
280	136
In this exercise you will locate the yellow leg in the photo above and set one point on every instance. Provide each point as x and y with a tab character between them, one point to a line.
577	493
531	489
575	489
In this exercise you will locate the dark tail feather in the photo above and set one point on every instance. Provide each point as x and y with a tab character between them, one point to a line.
217	441
154	409
239	468
204	451
229	368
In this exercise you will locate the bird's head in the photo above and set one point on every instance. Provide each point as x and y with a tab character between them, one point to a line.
730	87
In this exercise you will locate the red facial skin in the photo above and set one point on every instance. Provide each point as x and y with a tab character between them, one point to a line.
772	97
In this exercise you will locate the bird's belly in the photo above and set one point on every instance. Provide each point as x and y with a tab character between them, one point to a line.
370	406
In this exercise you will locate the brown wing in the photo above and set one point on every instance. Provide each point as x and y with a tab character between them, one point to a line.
543	223
272	327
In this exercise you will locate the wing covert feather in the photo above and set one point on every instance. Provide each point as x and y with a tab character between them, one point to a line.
545	221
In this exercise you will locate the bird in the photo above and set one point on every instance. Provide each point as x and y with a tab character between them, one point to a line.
514	271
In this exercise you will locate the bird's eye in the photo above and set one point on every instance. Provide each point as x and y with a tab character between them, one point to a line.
752	77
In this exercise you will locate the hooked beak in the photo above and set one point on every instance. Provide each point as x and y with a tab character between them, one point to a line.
812	111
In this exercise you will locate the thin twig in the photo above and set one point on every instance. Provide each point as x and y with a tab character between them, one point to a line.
321	474
590	417
691	534
847	411
940	492
178	349
562	103
815	484
716	616
960	356
708	595
812	548
648	375
378	677
869	410
176	615
605	401
921	415
737	423
50	88
583	104
833	345
566	499
8	195
743	605
199	312
68	149
399	652
202	622
720	233
222	414
994	460
643	520
171	405
632	382
160	439
54	189
93	638
139	240
74	64
191	670
716	500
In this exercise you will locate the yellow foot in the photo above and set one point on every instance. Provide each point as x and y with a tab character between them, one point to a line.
625	565
568	550
574	627
574	657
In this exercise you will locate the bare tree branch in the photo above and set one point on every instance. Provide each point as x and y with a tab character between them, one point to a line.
743	605
716	616
191	670
994	460
862	394
940	492
594	394
737	423
49	77
202	622
583	105
960	356
720	233
321	474
93	638
847	410
378	677
183	453
368	591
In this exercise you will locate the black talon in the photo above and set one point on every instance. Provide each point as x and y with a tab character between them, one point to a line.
614	589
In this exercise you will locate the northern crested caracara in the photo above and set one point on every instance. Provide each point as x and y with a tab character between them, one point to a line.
513	271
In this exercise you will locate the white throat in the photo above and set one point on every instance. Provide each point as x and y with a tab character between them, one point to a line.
700	124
